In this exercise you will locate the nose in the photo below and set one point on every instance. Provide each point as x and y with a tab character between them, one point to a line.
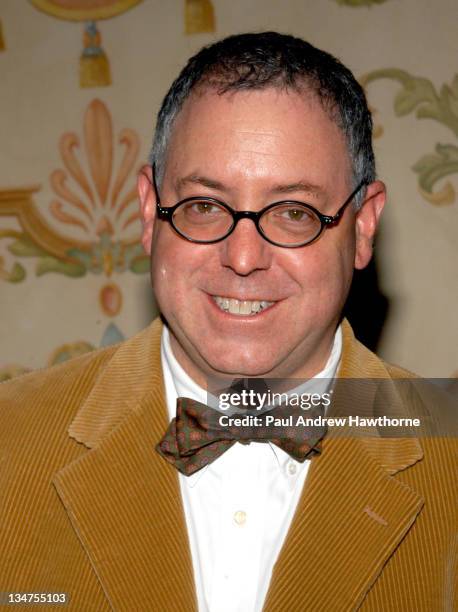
245	250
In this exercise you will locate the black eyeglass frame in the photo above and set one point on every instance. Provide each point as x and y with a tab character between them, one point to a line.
166	213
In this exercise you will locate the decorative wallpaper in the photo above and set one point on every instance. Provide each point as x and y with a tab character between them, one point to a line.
81	83
97	203
419	95
101	202
94	68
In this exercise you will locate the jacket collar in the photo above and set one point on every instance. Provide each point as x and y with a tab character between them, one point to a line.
125	505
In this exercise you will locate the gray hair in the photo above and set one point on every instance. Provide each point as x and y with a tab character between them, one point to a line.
269	59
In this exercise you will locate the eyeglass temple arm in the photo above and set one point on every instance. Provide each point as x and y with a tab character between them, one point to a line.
155	187
163	212
329	220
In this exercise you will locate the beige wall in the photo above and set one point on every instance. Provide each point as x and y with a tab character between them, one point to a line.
41	100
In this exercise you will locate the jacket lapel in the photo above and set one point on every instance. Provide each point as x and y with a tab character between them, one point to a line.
350	518
352	513
122	498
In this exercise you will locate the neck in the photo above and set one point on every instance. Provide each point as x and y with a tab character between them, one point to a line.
305	366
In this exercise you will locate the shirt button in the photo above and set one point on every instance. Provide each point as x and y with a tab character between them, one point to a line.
240	517
292	469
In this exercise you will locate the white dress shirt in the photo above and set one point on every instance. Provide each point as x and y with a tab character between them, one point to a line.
238	509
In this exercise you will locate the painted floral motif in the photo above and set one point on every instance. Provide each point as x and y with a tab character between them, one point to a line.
92	196
420	96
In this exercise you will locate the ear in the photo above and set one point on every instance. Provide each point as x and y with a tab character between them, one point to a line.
147	205
367	219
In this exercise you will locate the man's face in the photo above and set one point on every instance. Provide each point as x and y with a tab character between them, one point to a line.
250	149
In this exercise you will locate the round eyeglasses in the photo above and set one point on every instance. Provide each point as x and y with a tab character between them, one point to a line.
288	223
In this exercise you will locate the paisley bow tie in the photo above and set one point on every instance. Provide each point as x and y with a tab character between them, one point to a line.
199	434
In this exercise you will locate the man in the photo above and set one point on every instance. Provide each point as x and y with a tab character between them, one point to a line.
259	202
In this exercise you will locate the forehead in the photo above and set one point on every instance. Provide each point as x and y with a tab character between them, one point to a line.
258	133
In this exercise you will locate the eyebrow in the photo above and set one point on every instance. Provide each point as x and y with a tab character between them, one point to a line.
300	186
196	179
303	186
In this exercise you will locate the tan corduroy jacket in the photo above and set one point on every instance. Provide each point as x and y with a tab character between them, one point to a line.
88	507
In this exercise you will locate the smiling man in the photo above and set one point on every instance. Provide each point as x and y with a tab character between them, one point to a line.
259	201
243	306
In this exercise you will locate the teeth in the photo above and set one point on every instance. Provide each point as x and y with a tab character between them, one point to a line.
255	306
234	306
241	307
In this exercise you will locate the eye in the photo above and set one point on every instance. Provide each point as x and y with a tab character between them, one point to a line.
201	212
289	213
205	208
295	214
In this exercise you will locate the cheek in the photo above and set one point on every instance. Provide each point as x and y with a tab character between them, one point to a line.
338	268
174	264
323	272
165	262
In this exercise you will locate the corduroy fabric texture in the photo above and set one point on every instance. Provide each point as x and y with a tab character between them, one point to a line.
88	507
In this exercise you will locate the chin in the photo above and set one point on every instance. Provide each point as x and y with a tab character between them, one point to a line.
240	365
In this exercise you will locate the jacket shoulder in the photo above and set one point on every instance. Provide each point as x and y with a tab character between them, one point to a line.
39	409
49	397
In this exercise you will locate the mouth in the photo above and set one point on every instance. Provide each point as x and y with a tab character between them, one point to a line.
242	308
